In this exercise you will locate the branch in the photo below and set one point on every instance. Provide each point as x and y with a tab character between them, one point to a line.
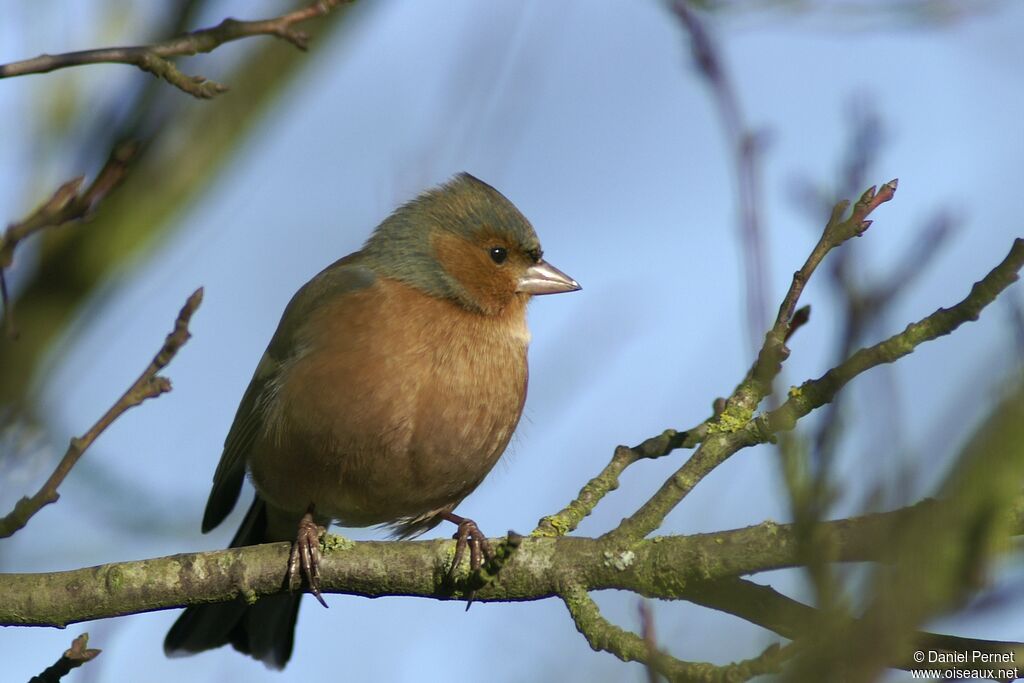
148	385
66	205
728	437
74	657
701	569
154	57
934	563
837	231
650	638
590	495
766	607
746	150
601	634
817	392
660	567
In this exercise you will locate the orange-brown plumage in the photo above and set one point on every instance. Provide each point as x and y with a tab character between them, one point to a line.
390	389
427	439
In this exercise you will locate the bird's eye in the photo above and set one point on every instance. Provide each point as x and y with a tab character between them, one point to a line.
499	254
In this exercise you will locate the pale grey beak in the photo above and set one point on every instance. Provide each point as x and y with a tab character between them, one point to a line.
544	278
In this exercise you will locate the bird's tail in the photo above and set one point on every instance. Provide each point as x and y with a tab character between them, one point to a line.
264	630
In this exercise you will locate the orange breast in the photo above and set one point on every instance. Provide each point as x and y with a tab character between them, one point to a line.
397	407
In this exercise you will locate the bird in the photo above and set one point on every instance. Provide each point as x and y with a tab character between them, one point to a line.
390	389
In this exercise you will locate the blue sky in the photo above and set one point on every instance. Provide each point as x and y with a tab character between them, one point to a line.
588	116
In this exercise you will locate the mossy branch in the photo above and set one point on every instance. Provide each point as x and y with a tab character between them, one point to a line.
566	520
766	607
602	635
661	567
733	432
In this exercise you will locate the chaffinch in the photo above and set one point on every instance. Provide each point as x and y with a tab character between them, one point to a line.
390	389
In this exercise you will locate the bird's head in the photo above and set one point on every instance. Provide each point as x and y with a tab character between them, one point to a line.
466	242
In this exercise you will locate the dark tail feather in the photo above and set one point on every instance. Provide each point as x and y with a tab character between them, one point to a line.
264	630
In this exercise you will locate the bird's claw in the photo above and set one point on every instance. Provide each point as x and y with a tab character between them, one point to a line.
469	536
304	560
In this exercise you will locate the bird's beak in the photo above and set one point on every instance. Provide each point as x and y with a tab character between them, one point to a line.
544	278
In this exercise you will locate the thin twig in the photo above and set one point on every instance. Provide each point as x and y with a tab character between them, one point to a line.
807	470
812	394
647	632
746	150
154	57
758	383
66	205
8	313
148	385
566	520
816	392
78	654
800	318
729	432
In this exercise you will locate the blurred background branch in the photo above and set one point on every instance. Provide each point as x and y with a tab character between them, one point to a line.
180	147
154	58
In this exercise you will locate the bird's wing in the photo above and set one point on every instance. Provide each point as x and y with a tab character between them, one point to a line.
227	480
340	278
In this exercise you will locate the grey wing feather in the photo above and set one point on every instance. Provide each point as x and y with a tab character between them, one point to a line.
341	277
227	480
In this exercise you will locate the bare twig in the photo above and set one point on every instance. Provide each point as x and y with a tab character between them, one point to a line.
800	318
74	657
148	385
726	439
817	392
67	204
758	383
647	632
566	520
864	307
8	312
746	150
807	470
154	58
731	429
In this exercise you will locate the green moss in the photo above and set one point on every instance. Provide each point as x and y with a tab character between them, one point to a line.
333	542
732	419
666	584
552	526
114	579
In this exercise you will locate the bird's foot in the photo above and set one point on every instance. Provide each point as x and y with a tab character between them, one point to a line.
469	536
304	560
